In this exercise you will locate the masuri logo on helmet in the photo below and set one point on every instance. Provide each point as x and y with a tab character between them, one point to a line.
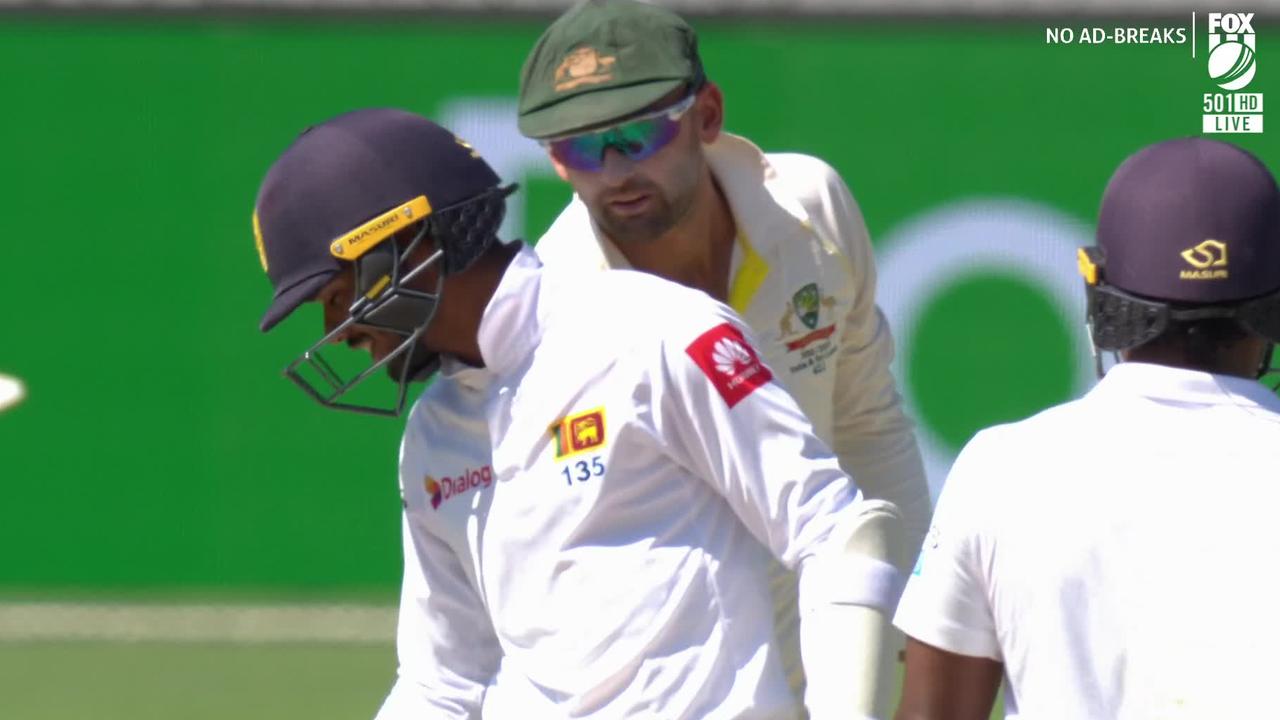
1205	257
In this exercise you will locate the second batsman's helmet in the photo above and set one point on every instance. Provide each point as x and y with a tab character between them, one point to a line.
1189	230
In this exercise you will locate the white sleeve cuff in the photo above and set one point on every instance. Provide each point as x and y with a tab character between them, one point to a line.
933	629
849	579
858	561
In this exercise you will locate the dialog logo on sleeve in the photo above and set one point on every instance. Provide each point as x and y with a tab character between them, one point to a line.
447	487
729	362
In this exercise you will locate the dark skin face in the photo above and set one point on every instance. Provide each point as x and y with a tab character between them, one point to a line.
940	685
453	328
665	213
335	298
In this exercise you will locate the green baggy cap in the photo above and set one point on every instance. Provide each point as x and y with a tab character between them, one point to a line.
601	61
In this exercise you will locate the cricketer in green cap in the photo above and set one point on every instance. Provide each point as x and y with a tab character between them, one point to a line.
616	93
603	60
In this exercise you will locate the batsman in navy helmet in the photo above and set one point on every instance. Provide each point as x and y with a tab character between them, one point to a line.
1186	270
369	213
1102	558
592	497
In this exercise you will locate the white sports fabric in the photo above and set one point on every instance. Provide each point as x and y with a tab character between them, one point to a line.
622	574
1115	553
800	228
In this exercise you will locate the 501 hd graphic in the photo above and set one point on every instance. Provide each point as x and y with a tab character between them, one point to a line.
1232	63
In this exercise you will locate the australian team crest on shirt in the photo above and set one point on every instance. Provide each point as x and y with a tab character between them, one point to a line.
805	305
813	339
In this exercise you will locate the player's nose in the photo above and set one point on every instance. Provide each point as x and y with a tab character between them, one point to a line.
338	339
332	320
616	167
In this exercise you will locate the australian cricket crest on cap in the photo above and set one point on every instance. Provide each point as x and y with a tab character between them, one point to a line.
583	66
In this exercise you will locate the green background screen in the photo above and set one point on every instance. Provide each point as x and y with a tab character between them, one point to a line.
160	447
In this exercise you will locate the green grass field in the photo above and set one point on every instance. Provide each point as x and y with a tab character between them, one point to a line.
194	681
207	681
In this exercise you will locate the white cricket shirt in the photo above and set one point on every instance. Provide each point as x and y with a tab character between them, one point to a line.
447	650
1116	553
803	278
613	556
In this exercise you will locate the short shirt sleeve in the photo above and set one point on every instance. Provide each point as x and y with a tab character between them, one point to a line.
947	600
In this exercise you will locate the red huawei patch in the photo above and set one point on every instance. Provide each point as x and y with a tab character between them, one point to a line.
729	361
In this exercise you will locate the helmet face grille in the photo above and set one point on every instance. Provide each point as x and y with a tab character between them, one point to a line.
1120	322
1262	316
463	232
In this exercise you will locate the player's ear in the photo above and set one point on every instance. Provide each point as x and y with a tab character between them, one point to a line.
709	113
561	170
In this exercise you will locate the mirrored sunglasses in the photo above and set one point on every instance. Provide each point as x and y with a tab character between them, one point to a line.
638	138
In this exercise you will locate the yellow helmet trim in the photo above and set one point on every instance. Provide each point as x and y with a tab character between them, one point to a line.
257	241
364	238
1088	270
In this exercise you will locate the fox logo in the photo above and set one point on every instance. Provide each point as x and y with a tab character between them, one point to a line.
1233	46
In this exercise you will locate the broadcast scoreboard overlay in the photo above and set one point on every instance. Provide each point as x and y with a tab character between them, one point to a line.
158	448
1225	44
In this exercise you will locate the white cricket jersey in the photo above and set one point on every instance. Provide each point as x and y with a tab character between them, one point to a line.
803	279
1115	553
613	557
447	650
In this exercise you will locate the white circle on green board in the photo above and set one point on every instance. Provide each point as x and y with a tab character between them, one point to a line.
1026	244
